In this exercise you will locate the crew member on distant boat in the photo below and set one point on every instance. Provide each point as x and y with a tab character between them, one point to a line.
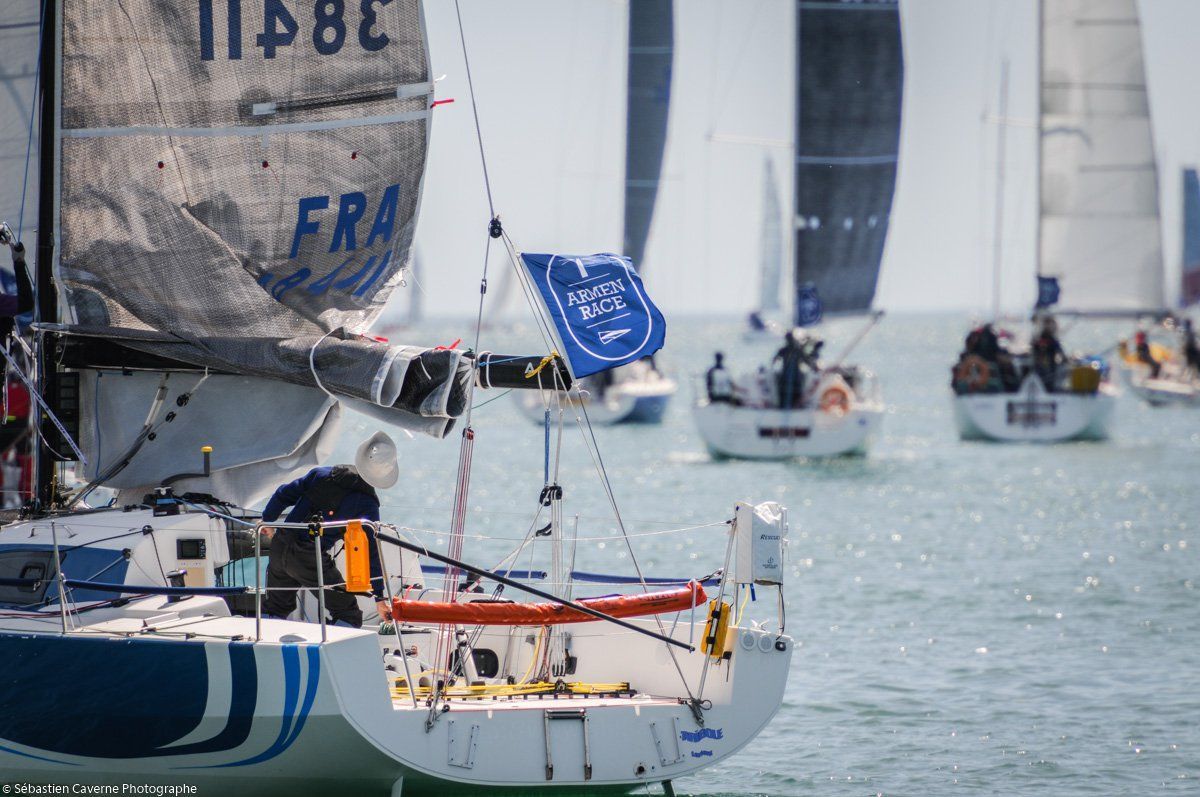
718	382
1144	355
789	377
342	492
1191	351
1048	353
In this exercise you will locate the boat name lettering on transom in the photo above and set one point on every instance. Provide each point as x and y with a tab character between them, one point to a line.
702	734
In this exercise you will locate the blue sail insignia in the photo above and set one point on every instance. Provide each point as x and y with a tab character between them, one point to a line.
600	309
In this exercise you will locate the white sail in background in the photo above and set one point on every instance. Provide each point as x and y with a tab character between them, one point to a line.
771	243
1099	225
19	35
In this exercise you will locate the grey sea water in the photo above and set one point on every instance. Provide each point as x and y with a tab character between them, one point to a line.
969	617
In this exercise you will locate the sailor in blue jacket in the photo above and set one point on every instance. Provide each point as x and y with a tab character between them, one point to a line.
342	492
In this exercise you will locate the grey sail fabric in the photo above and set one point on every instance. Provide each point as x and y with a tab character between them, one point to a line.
1099	231
240	182
648	99
19	150
850	84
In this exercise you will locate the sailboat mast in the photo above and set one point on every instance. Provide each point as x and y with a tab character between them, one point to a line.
1041	46
998	229
793	221
47	298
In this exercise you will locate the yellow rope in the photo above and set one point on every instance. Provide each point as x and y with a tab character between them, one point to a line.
549	358
400	689
742	608
533	659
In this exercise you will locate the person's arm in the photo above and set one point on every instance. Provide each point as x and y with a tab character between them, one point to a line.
287	495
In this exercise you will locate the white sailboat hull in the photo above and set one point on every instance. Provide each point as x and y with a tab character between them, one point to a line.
1032	415
156	691
626	402
759	433
1173	390
294	715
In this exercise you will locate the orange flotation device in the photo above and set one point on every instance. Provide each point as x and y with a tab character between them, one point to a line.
835	398
506	613
974	372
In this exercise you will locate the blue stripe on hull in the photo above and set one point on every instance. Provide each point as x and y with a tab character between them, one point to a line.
122	699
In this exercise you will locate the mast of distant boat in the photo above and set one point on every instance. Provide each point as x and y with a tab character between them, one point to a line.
998	227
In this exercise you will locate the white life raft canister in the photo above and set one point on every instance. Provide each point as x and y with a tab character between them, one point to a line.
761	531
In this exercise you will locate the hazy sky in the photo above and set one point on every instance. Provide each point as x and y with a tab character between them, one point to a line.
549	79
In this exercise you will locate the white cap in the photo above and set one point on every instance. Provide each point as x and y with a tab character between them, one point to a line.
376	461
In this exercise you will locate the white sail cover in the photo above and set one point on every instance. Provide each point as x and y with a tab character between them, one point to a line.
239	190
19	37
1099	187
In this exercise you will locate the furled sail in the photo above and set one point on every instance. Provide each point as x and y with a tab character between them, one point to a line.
1099	219
849	86
651	47
19	36
239	189
1189	292
771	243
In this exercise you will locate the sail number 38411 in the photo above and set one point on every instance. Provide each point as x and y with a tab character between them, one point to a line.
280	27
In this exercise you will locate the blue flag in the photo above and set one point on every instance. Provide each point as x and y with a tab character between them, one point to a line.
1047	291
601	311
808	305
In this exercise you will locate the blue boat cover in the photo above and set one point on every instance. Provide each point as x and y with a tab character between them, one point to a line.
600	309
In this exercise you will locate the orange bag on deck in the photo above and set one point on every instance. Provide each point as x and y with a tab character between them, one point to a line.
497	613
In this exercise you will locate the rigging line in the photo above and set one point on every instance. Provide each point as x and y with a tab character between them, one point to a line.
594	446
477	536
158	101
462	37
493	398
523	280
312	365
36	396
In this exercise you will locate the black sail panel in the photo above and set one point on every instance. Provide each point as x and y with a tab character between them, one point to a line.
850	84
651	45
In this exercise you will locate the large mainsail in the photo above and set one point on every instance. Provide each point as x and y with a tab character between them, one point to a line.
651	47
1189	289
850	84
19	151
239	189
1099	217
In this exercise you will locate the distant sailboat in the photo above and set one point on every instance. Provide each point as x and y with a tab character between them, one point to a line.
849	91
1176	382
637	393
1098	243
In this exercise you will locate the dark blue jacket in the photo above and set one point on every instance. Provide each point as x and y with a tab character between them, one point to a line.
355	505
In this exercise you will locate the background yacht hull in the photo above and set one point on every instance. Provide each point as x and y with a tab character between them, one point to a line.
772	434
1032	415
